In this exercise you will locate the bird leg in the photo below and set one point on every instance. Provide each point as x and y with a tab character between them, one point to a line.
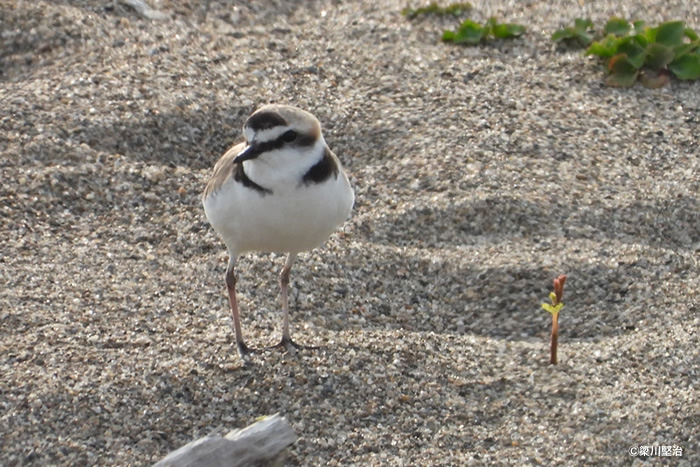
243	349
284	286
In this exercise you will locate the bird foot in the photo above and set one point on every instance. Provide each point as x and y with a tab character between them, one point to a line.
288	343
243	350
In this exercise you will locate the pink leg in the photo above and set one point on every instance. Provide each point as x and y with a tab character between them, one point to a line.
284	286
243	350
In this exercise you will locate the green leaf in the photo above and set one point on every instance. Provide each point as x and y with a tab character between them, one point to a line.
489	25
617	27
582	27
579	32
469	32
686	66
650	34
635	52
620	63
670	33
583	24
456	9
605	48
658	56
691	34
641	39
685	49
639	26
584	38
622	72
507	30
448	36
553	309
566	33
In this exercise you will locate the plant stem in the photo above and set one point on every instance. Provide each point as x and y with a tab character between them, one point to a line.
555	338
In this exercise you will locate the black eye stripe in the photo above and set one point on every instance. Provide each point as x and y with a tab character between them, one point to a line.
300	141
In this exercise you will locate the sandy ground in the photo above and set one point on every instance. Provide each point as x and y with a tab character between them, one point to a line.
480	173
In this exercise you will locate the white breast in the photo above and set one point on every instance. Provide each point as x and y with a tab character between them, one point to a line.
295	217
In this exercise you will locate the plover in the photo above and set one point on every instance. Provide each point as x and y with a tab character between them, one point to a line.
282	190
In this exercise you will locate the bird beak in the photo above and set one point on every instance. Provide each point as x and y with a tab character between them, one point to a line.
250	152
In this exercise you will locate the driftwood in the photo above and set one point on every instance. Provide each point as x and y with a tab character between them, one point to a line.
146	11
263	443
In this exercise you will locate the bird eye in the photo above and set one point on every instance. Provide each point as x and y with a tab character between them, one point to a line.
289	136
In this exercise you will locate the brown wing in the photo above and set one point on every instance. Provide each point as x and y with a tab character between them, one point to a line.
222	170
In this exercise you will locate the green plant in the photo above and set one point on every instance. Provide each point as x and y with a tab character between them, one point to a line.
634	51
556	306
455	9
582	32
472	33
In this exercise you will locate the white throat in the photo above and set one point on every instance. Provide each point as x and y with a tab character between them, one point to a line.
284	168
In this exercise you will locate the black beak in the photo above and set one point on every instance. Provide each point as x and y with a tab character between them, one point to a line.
250	152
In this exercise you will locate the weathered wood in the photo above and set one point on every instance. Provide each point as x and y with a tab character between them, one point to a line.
263	443
146	11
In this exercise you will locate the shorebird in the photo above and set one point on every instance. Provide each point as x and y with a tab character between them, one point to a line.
281	190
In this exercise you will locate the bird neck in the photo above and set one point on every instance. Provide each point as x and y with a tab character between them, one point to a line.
284	167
